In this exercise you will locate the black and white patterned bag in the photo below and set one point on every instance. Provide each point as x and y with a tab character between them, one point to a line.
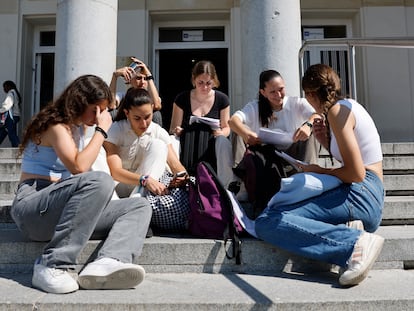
170	211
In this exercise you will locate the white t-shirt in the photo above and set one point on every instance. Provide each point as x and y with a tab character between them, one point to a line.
131	147
295	111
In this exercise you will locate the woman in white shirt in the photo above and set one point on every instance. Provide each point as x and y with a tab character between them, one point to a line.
315	228
10	111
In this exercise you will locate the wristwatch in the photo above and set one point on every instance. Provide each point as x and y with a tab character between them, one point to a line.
308	124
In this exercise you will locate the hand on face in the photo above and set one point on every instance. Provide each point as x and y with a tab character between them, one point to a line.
103	118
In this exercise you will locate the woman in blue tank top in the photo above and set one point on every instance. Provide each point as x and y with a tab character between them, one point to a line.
61	202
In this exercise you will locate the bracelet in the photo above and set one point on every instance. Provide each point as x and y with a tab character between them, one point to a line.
180	174
308	124
101	130
150	77
143	180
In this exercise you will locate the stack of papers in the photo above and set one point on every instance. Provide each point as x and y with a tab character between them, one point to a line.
280	139
213	123
294	162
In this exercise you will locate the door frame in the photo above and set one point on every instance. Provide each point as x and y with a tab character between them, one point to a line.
36	61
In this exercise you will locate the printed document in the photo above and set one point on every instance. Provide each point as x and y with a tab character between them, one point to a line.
280	139
213	123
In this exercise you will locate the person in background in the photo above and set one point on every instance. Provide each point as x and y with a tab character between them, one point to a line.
316	228
10	113
198	141
59	200
138	76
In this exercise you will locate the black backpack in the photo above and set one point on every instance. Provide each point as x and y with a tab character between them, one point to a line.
261	170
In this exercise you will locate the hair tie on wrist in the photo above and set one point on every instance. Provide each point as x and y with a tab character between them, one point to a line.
101	130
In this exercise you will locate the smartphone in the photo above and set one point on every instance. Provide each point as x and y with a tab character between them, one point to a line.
135	66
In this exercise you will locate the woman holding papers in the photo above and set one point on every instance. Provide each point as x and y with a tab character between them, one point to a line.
199	119
275	118
314	228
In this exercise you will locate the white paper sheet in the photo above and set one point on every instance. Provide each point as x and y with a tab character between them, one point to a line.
294	162
275	137
239	212
213	123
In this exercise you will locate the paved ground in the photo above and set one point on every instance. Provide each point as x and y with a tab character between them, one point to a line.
382	290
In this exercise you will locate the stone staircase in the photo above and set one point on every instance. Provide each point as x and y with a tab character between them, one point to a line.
185	273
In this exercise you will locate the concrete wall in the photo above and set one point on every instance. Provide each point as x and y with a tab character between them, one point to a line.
385	77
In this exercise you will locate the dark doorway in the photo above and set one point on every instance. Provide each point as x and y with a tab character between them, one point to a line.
175	74
47	78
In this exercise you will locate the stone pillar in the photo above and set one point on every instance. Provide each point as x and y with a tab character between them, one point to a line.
85	40
271	39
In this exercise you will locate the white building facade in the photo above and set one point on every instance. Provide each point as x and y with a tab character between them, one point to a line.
47	43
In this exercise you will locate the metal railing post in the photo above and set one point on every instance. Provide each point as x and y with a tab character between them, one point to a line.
351	43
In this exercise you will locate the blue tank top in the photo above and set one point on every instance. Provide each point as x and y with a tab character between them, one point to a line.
43	160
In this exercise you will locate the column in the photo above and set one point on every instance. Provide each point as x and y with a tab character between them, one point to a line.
85	40
271	39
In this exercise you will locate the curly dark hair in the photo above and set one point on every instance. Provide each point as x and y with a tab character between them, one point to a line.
68	107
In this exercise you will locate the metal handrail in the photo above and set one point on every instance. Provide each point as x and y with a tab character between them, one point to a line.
351	43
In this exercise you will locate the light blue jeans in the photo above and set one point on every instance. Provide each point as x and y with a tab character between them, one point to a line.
315	228
68	213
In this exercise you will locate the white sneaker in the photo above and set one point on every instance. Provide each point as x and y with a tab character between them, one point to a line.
366	250
53	280
108	273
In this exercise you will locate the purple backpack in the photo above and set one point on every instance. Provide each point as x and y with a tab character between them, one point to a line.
211	211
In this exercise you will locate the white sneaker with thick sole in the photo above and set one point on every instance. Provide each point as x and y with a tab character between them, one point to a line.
366	251
108	273
53	280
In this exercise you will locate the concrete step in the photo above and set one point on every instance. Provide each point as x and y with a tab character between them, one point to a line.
186	254
383	290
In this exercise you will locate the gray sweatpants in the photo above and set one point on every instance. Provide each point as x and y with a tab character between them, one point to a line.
68	213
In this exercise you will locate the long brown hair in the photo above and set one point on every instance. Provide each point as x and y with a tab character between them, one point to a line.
205	67
325	83
68	107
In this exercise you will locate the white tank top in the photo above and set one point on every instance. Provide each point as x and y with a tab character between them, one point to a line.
366	134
